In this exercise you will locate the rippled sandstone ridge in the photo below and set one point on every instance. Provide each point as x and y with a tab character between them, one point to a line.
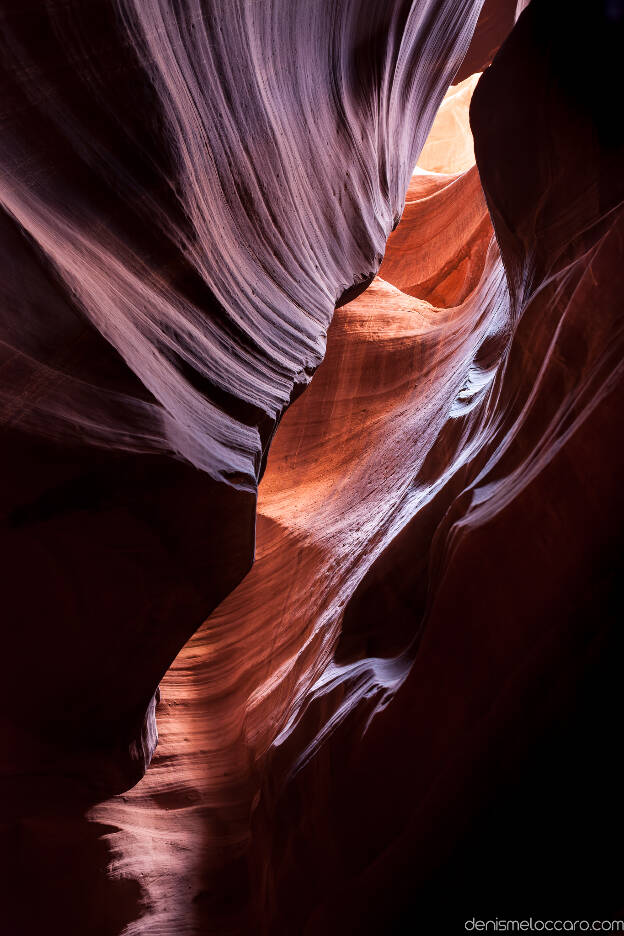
406	713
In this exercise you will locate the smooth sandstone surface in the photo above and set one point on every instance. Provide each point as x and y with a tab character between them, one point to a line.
187	192
405	713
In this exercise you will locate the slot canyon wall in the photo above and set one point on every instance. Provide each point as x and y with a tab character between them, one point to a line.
311	332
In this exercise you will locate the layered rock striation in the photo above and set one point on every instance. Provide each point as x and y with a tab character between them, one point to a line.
403	715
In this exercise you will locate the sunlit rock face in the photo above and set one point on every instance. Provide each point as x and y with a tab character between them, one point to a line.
417	784
360	737
339	488
426	603
187	192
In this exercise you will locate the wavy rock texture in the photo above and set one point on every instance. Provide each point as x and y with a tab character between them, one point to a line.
339	486
187	192
369	729
370	686
490	620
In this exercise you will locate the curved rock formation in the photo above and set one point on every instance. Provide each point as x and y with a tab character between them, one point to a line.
186	195
494	616
370	686
339	487
495	22
369	732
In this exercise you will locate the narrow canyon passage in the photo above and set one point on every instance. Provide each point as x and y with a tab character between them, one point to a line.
345	474
372	473
398	516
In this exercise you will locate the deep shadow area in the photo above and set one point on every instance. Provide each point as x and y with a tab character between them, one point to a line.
548	845
54	877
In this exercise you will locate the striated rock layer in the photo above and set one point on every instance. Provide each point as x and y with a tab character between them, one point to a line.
339	487
404	715
436	562
493	616
187	191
